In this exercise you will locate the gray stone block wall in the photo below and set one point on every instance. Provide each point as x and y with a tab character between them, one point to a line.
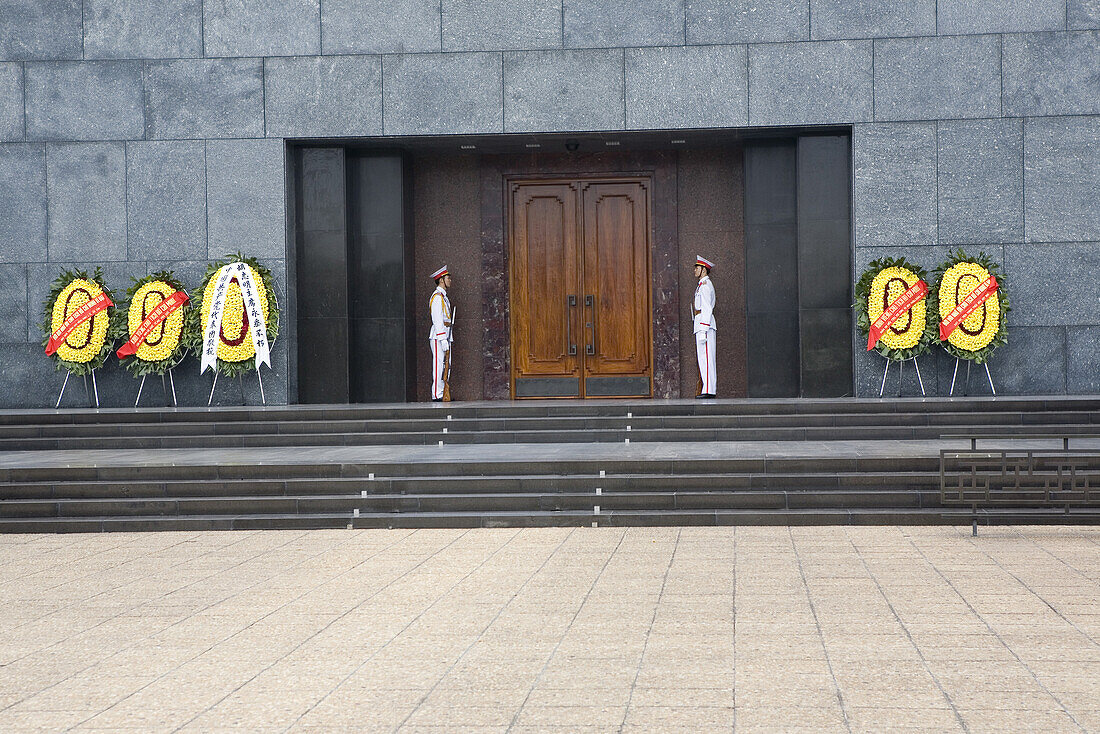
142	133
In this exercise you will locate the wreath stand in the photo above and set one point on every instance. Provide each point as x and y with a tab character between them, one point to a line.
901	363
966	385
95	390
259	377
163	385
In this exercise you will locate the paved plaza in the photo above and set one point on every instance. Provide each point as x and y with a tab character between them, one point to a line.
572	630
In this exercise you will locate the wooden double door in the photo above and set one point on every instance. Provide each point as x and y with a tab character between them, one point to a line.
581	323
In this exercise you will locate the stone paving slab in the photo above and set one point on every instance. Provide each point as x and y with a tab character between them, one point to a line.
580	630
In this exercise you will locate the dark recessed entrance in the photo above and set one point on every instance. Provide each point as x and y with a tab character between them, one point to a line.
571	260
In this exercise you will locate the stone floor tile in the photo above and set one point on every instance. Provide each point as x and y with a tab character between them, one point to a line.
888	718
683	718
779	718
1000	720
697	697
570	716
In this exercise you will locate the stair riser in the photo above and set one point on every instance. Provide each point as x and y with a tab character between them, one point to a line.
430	427
693	435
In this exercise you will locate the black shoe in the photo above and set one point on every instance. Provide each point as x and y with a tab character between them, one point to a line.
700	396
708	395
437	400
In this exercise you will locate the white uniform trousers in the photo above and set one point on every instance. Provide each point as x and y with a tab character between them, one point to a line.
705	348
439	364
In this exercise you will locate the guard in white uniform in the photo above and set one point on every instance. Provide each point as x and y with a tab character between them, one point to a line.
440	339
706	331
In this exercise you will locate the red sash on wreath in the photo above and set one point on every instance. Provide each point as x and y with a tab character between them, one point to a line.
76	318
967	306
912	296
163	310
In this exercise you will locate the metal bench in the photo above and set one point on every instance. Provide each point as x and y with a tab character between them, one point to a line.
1024	482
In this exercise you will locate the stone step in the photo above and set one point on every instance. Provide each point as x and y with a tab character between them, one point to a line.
146	429
624	518
464	484
550	409
471	468
474	501
636	435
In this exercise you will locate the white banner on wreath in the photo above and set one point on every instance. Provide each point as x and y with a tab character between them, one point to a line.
253	312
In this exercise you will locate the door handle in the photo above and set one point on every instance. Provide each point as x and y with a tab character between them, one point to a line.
590	346
570	304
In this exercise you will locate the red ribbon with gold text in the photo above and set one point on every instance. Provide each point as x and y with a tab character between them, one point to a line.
76	318
163	310
906	301
966	306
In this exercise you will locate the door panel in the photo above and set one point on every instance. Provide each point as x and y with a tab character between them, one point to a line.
544	251
580	288
616	275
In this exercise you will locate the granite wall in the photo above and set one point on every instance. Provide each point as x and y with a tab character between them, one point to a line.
140	133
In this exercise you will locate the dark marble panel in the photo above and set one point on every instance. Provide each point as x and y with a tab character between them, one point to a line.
395	26
322	287
1083	14
1032	363
14	316
433	94
687	87
166	199
623	23
872	18
1002	16
827	82
771	266
323	360
1051	74
501	25
824	224
869	368
770	175
824	263
42	29
937	78
1031	271
927	257
243	391
376	276
980	181
204	98
564	90
245	201
321	190
747	21
87	201
22	203
323	96
378	365
28	379
824	174
773	360
11	102
1083	360
261	28
894	184
150	29
826	350
1061	178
